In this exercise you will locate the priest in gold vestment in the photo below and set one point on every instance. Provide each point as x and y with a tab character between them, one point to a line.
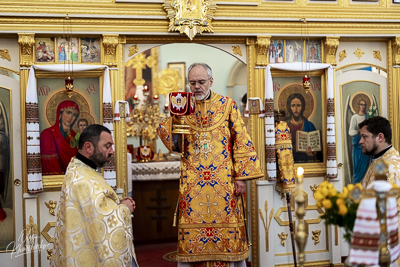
217	158
376	141
94	227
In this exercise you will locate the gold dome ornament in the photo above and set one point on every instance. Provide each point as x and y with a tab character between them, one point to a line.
190	17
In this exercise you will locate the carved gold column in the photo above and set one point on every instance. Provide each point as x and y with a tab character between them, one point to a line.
331	45
393	89
257	56
113	58
251	56
26	55
262	48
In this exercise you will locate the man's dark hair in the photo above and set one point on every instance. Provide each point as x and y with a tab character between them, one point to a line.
289	101
92	134
376	125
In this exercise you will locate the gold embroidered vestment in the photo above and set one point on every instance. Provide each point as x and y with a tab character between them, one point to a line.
93	228
392	159
218	152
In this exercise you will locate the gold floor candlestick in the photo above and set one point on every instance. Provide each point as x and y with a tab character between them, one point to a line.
300	213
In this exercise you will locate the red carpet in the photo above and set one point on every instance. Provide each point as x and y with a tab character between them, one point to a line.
152	255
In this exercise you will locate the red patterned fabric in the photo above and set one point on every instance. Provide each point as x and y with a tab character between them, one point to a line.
32	112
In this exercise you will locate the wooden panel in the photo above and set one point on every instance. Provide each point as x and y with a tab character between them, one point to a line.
155	207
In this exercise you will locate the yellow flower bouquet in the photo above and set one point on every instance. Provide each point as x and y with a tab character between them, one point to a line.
340	208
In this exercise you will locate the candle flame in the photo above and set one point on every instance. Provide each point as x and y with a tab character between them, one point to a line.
300	171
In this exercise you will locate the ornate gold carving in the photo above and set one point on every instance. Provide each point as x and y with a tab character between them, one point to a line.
236	50
315	236
283	236
31	231
167	81
331	44
377	54
139	62
133	49
26	43
51	206
267	225
396	50
358	53
110	44
49	253
52	181
262	43
190	16
4	54
314	187
342	55
45	231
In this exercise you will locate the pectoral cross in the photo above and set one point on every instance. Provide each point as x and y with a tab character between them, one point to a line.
203	146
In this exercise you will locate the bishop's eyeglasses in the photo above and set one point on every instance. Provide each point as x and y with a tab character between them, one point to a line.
200	82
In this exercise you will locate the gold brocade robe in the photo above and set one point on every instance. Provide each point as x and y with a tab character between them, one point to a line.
93	228
283	144
218	152
392	159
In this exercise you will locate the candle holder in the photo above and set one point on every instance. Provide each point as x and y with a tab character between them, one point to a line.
145	117
301	235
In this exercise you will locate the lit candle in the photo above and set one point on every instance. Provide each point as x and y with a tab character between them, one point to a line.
135	100
300	174
155	97
145	88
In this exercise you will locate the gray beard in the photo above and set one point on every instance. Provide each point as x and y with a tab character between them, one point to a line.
202	97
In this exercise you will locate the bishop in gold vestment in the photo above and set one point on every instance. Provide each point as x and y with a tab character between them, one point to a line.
216	153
